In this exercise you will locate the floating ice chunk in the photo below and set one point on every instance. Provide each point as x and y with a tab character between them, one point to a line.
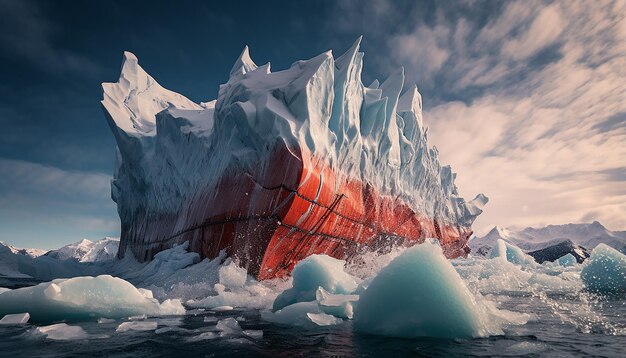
84	298
511	253
105	320
419	294
323	319
203	336
228	327
137	326
62	332
567	260
253	333
223	308
337	305
604	271
18	318
303	314
313	272
210	319
231	275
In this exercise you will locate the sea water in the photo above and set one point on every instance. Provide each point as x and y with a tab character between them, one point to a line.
540	310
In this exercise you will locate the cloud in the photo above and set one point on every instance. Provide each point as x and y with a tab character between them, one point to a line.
542	32
44	206
26	34
526	101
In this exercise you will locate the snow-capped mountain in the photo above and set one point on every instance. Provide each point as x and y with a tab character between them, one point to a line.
532	239
87	251
26	252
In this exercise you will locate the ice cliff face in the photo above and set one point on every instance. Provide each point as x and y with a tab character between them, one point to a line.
171	150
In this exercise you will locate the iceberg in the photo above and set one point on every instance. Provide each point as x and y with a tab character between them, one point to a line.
604	271
280	166
312	273
511	253
84	298
419	294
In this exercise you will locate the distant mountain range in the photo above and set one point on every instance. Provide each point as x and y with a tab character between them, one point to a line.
532	239
87	251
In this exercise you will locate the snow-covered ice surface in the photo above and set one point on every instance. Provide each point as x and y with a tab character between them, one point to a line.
498	305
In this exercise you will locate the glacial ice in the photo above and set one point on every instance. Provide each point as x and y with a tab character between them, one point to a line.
84	298
137	326
17	318
510	253
61	332
313	272
172	150
304	314
604	271
567	260
419	294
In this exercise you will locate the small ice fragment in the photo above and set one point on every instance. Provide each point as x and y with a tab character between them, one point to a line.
137	326
106	320
240	318
311	273
18	318
567	260
140	317
62	332
323	319
203	336
228	326
222	308
253	333
209	319
231	275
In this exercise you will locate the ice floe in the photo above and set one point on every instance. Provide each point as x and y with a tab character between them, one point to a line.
85	298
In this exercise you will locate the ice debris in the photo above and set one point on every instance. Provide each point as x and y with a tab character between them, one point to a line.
313	272
511	253
85	298
567	260
17	318
137	326
604	271
61	332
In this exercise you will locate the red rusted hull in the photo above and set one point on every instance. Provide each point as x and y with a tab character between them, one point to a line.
292	207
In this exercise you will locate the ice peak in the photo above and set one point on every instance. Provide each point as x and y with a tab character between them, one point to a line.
374	85
349	56
244	63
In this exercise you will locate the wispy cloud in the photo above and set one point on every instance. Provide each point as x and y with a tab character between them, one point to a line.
538	91
44	206
27	34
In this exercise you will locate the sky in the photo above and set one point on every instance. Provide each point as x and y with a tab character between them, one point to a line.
526	100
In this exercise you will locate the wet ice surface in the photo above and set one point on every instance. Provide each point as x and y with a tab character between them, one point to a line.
549	311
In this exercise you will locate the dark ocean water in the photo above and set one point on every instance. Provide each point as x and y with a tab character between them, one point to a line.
555	331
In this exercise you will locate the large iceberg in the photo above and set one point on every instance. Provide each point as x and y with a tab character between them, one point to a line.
280	166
